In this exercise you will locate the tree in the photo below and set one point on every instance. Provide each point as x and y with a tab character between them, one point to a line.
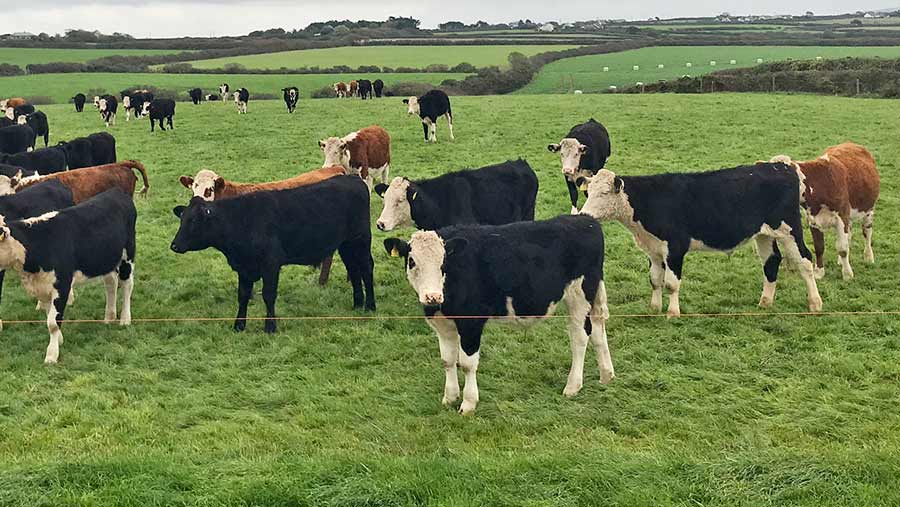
452	26
856	22
809	14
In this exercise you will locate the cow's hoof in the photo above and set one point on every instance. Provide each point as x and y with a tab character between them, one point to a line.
240	326
449	399
270	328
571	391
815	305
50	360
671	314
819	273
125	321
847	274
870	257
765	302
467	408
607	377
655	306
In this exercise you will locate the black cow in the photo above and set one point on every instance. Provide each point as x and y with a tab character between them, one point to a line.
23	110
364	89
672	214
92	239
95	149
260	232
583	151
291	96
493	195
430	107
108	106
16	139
465	274
196	95
39	124
14	171
211	97
79	100
378	87
45	160
159	110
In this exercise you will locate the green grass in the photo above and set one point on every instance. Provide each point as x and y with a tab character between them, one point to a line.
382	56
587	71
60	87
766	411
24	56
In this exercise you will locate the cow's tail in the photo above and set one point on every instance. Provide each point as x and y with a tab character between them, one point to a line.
134	164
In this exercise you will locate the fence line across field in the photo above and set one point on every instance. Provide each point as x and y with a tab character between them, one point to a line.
362	318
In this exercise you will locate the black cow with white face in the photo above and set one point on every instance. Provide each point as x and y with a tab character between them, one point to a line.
241	99
108	106
583	152
196	95
16	139
464	275
44	160
493	195
291	96
430	107
262	231
159	110
39	124
378	88
672	214
50	252
364	89
79	99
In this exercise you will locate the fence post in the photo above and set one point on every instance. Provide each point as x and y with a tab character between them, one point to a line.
857	86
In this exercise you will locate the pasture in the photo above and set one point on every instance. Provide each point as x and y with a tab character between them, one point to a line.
761	410
24	56
382	56
586	72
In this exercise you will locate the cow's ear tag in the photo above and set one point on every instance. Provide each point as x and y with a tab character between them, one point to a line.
414	195
395	252
583	187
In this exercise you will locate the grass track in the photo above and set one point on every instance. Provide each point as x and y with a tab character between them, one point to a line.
24	56
772	411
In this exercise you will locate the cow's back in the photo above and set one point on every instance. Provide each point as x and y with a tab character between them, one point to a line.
504	193
863	180
36	200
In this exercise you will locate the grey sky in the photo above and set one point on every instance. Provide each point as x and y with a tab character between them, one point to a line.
169	18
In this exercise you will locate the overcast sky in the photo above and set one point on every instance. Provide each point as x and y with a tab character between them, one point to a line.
172	18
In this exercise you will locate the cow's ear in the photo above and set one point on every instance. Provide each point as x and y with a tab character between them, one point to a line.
553	148
618	184
455	246
396	247
15	180
380	189
322	144
219	184
406	101
178	210
186	181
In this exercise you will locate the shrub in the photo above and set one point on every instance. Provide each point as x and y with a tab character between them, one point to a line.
178	68
326	92
464	68
408	89
437	67
39	100
8	69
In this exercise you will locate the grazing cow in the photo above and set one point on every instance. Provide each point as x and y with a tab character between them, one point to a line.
16	139
87	182
378	87
223	91
430	107
43	160
79	100
13	102
159	110
212	97
108	106
262	231
493	195
583	152
39	124
241	98
209	186
365	89
352	88
196	95
672	214
464	275
52	251
366	152
841	185
291	96
340	89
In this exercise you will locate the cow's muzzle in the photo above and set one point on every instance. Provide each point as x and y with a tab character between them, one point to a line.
433	299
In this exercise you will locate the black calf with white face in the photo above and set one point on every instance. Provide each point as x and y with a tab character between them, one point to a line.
583	152
159	110
291	96
429	108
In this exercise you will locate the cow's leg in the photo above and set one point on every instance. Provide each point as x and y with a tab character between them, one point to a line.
152	125
369	281
818	237
842	245
2	276
657	282
433	131
126	277
867	226
771	259
270	294
579	311
325	270
573	195
245	290
599	316
426	129
350	256
470	346
171	124
674	263
448	339
450	125
55	311
112	288
794	249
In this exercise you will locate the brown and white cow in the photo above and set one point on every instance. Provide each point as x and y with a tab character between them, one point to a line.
209	186
12	102
366	152
352	88
90	181
340	89
840	186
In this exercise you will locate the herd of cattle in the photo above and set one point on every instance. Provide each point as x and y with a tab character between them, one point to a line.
67	214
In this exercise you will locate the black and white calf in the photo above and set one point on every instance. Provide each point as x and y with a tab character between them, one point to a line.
465	275
108	106
493	195
39	124
583	152
212	97
291	96
79	99
223	91
260	232
196	95
159	110
52	251
241	98
430	107
16	139
672	214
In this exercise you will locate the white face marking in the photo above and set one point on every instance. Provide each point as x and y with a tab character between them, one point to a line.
102	105
413	106
96	101
396	212
145	109
6	185
126	102
570	152
603	203
337	153
10	113
424	268
3	103
204	185
41	218
22	120
223	90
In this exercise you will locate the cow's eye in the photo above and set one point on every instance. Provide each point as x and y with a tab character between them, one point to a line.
412	263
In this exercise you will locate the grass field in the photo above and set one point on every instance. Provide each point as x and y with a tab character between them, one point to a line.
60	87
587	71
771	410
382	56
24	56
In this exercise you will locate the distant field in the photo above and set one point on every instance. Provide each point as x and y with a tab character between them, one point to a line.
587	71
382	56
22	57
62	86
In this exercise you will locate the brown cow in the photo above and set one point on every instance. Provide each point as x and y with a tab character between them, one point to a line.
840	186
340	89
12	102
90	181
209	186
366	152
352	89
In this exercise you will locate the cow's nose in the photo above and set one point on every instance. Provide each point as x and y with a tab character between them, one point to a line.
380	225
568	171
434	298
175	248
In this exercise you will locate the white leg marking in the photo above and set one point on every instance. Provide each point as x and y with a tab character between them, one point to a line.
868	225
450	125
657	281
55	333
842	245
112	288
674	286
599	316
579	309
448	339
127	287
469	365
791	252
765	250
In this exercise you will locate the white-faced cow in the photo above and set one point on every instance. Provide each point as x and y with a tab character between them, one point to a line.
108	105
672	214
241	98
291	96
366	153
212	97
223	91
467	274
38	123
583	152
196	95
159	110
493	195
430	107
